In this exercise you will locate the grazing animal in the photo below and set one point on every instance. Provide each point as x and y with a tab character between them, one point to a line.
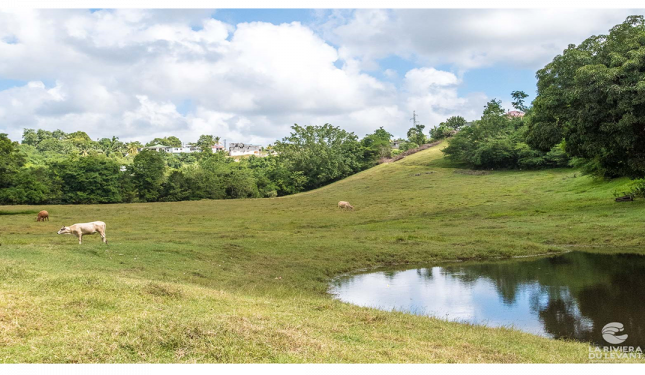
85	228
42	216
345	205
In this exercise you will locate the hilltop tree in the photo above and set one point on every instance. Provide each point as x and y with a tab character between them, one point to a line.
518	100
448	128
377	145
111	146
415	134
593	97
170	141
206	142
29	137
455	122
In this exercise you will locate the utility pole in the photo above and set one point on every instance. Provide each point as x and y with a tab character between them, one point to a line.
414	118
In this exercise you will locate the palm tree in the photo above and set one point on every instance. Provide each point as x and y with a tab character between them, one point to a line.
132	148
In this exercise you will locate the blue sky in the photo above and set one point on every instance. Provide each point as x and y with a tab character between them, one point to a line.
247	75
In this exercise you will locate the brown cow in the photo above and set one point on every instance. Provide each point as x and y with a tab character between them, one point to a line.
42	216
345	205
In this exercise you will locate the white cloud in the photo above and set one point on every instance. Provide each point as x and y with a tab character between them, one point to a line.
467	38
127	73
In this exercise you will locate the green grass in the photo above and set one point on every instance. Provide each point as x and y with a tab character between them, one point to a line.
246	280
18	212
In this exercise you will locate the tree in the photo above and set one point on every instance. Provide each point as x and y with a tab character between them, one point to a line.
170	141
415	134
173	141
148	169
29	137
518	103
441	132
455	122
593	97
112	147
31	185
322	154
377	145
206	142
11	160
132	148
448	128
86	180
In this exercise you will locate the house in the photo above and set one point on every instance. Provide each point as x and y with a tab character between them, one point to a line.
396	144
184	149
239	149
157	148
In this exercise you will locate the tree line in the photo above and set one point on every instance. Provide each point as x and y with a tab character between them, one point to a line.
70	168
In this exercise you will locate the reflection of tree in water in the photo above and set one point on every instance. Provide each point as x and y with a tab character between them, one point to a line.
574	295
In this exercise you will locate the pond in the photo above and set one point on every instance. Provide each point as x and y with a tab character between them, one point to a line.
572	296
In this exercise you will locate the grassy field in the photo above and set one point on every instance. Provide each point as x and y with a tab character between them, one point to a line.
246	280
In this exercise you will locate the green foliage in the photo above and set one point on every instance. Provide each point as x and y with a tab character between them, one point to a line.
455	122
518	100
497	141
55	167
407	146
415	134
11	160
637	189
148	169
322	154
30	186
177	187
448	128
593	97
376	146
90	179
170	141
206	142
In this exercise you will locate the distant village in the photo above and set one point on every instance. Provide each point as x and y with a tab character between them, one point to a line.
245	149
234	149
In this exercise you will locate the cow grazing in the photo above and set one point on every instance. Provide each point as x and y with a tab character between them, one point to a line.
42	216
345	205
85	228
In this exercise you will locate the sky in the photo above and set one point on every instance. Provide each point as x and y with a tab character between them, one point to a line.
248	75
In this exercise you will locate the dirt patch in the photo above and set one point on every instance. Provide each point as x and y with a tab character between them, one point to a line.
472	172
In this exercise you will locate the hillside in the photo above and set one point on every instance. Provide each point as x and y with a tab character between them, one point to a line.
246	280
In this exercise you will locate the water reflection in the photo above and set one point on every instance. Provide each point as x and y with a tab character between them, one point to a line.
569	296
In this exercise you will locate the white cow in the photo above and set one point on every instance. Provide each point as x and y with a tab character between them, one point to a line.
85	228
345	205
